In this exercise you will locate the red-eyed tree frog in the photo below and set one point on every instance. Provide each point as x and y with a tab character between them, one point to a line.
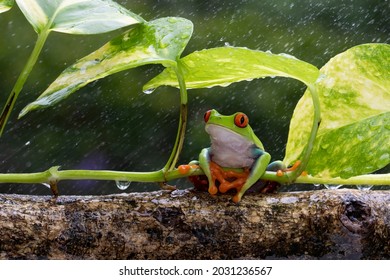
236	158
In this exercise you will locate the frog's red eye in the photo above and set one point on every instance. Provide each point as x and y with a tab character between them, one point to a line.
241	120
207	116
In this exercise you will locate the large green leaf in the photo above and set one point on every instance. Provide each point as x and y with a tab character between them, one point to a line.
225	65
354	135
77	16
5	5
157	42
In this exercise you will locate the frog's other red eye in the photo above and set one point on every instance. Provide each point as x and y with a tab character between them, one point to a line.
241	120
207	116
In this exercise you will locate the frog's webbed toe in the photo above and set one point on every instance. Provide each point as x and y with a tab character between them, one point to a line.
225	180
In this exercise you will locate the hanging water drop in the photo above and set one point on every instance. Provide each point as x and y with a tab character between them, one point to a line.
364	187
332	187
122	185
46	185
149	90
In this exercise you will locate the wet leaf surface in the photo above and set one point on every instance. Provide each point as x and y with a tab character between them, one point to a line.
5	5
353	138
157	42
226	65
77	17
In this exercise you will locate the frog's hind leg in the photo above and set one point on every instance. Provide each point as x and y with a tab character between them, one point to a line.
271	186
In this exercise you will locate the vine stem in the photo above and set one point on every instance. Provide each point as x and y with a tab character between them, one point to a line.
313	133
54	174
42	36
178	146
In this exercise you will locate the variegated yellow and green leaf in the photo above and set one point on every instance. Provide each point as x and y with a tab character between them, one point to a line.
77	16
156	42
354	135
5	5
225	65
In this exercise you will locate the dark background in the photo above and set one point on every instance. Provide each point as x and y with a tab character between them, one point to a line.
112	124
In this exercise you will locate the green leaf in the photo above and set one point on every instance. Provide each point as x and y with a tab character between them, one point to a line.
77	16
5	5
157	42
225	65
353	138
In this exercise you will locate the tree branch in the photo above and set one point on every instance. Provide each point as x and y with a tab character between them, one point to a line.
327	224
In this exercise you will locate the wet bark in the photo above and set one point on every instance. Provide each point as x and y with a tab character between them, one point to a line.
338	224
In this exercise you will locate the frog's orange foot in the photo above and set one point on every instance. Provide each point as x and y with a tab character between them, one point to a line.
213	190
236	184
227	179
186	168
281	172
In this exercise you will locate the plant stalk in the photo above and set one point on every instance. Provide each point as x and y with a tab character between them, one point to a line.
53	174
178	146
22	78
309	147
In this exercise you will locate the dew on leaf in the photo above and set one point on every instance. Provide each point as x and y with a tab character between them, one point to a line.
287	55
360	137
384	159
324	145
122	185
173	20
374	125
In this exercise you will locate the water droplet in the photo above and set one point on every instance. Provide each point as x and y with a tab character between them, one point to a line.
27	143
46	185
384	159
172	20
287	55
122	185
346	172
149	90
332	187
375	125
364	187
360	137
324	145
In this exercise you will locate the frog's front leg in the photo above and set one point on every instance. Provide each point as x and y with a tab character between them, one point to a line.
204	163
227	178
257	171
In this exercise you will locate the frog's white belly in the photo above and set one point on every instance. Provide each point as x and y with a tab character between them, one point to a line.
229	149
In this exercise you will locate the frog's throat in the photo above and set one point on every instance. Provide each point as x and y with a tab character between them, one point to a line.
230	149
